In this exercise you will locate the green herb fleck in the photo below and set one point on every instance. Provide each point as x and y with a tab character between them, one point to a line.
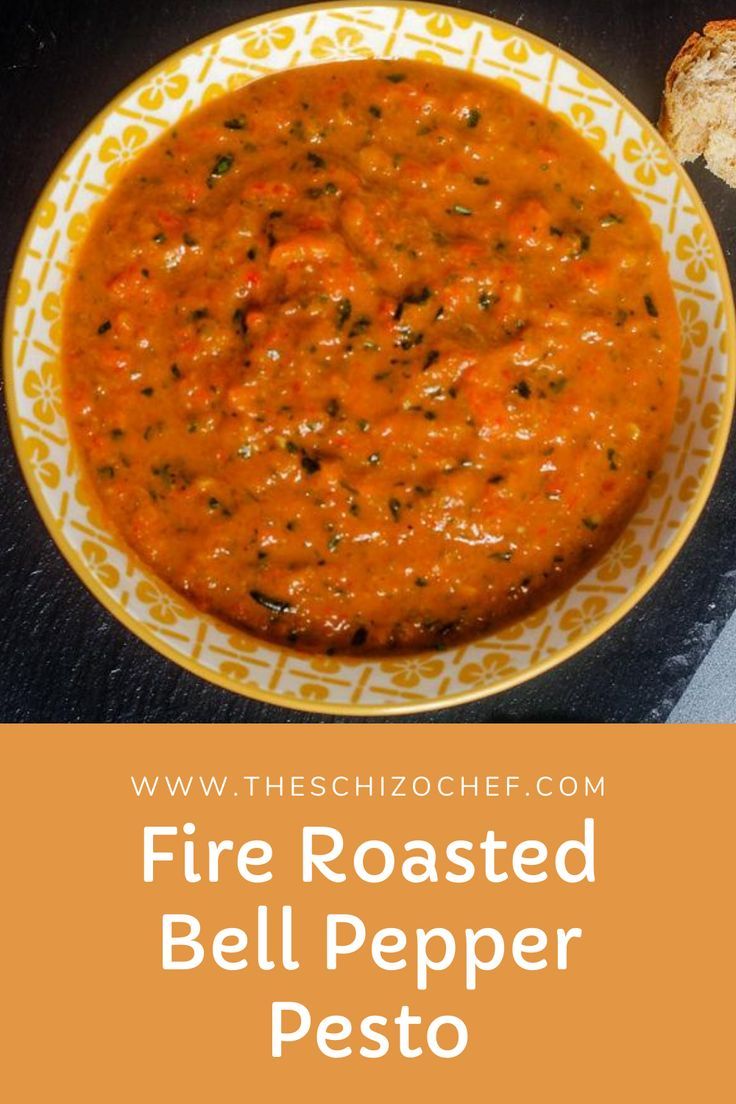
413	298
275	605
651	306
409	338
221	166
239	321
583	244
610	219
359	326
344	310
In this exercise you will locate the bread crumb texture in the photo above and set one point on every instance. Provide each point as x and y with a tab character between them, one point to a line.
698	113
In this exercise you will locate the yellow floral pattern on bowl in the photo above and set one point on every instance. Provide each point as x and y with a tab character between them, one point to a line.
310	36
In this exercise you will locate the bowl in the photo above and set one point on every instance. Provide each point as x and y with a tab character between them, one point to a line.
311	35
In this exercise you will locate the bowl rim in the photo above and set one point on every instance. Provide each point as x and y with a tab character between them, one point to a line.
448	700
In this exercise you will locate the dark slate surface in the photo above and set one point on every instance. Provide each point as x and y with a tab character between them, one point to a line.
62	656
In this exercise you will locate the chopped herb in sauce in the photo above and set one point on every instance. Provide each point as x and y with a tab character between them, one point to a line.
344	310
582	244
239	321
274	605
221	166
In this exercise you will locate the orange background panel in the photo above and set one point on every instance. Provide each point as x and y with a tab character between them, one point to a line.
642	1014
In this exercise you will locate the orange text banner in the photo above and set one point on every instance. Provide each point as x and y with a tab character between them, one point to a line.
249	913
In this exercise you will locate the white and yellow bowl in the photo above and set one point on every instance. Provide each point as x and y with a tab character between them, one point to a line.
307	36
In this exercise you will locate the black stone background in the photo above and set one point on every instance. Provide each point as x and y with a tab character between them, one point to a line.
62	656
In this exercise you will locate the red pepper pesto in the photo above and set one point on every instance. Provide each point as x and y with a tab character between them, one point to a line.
370	356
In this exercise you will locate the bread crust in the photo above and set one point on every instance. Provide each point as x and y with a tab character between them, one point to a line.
720	29
715	34
684	57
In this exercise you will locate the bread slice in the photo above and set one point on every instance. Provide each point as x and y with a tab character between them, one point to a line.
699	105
